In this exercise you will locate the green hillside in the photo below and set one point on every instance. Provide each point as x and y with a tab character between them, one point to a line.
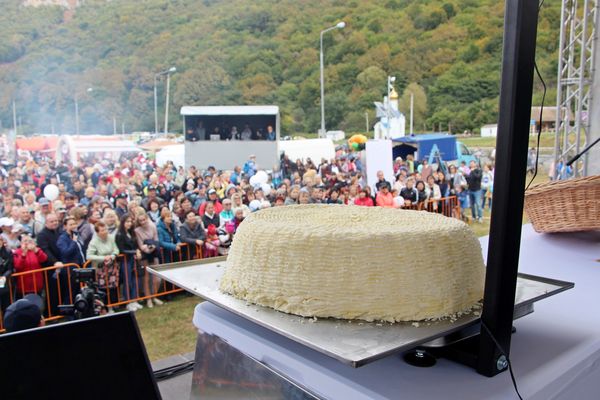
258	52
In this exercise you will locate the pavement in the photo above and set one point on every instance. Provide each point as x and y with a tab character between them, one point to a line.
178	387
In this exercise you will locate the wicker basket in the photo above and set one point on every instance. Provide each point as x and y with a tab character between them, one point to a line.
564	206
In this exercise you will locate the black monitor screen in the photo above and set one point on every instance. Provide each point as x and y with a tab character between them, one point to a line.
95	358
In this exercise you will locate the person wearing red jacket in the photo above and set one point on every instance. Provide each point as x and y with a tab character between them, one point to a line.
384	197
29	258
364	199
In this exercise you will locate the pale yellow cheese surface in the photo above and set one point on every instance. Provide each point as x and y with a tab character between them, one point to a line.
355	262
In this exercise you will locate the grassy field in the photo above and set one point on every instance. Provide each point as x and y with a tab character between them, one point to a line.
168	330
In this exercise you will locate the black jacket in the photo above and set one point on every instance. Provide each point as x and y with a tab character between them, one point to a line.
126	244
6	262
474	179
215	220
47	240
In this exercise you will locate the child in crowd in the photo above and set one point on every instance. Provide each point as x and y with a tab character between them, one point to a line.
212	241
463	201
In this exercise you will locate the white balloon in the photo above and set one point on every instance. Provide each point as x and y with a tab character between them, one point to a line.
51	192
254	181
254	205
262	176
266	188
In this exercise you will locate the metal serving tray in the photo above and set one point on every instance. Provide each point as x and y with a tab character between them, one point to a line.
354	342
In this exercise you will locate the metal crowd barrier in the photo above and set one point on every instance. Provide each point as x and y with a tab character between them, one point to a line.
59	288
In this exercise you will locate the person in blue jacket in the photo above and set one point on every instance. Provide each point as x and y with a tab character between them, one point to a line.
71	252
168	237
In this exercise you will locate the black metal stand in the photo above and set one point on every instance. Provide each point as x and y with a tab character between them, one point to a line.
482	351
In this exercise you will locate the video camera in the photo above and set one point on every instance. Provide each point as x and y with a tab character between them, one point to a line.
89	301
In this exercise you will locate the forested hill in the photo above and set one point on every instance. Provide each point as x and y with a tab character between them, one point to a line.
447	52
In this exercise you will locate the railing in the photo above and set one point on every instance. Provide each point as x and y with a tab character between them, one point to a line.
59	288
447	206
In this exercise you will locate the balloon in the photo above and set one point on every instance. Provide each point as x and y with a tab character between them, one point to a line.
254	205
51	192
358	138
262	177
254	181
266	188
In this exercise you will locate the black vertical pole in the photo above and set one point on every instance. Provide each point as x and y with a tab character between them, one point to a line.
520	28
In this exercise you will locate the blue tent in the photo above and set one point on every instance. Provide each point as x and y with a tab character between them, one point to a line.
446	145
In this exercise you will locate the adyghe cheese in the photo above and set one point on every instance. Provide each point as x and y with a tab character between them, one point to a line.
366	263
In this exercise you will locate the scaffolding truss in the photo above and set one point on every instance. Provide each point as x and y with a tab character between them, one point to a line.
579	19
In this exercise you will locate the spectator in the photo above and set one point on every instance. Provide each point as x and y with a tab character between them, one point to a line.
210	217
6	271
168	237
192	232
9	234
304	196
422	196
40	215
212	198
425	170
151	195
364	199
71	252
474	184
47	241
227	213
147	240
26	221
84	228
29	257
212	243
384	198
121	204
127	244
409	193
381	181
250	165
103	251
236	202
246	133
463	201
111	220
25	313
154	210
434	193
270	133
443	184
487	186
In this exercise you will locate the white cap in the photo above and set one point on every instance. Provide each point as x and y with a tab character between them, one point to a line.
5	221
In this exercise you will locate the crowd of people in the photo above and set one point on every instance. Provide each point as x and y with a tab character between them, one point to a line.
150	213
225	132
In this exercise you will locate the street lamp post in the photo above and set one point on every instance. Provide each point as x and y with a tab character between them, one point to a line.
390	85
339	25
156	76
77	111
412	97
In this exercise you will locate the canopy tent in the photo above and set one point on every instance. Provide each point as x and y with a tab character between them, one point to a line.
37	143
71	148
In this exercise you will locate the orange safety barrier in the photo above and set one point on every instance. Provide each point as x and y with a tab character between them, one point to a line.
119	294
447	206
55	287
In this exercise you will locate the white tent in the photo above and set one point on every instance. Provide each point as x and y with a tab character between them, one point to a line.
175	153
315	149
